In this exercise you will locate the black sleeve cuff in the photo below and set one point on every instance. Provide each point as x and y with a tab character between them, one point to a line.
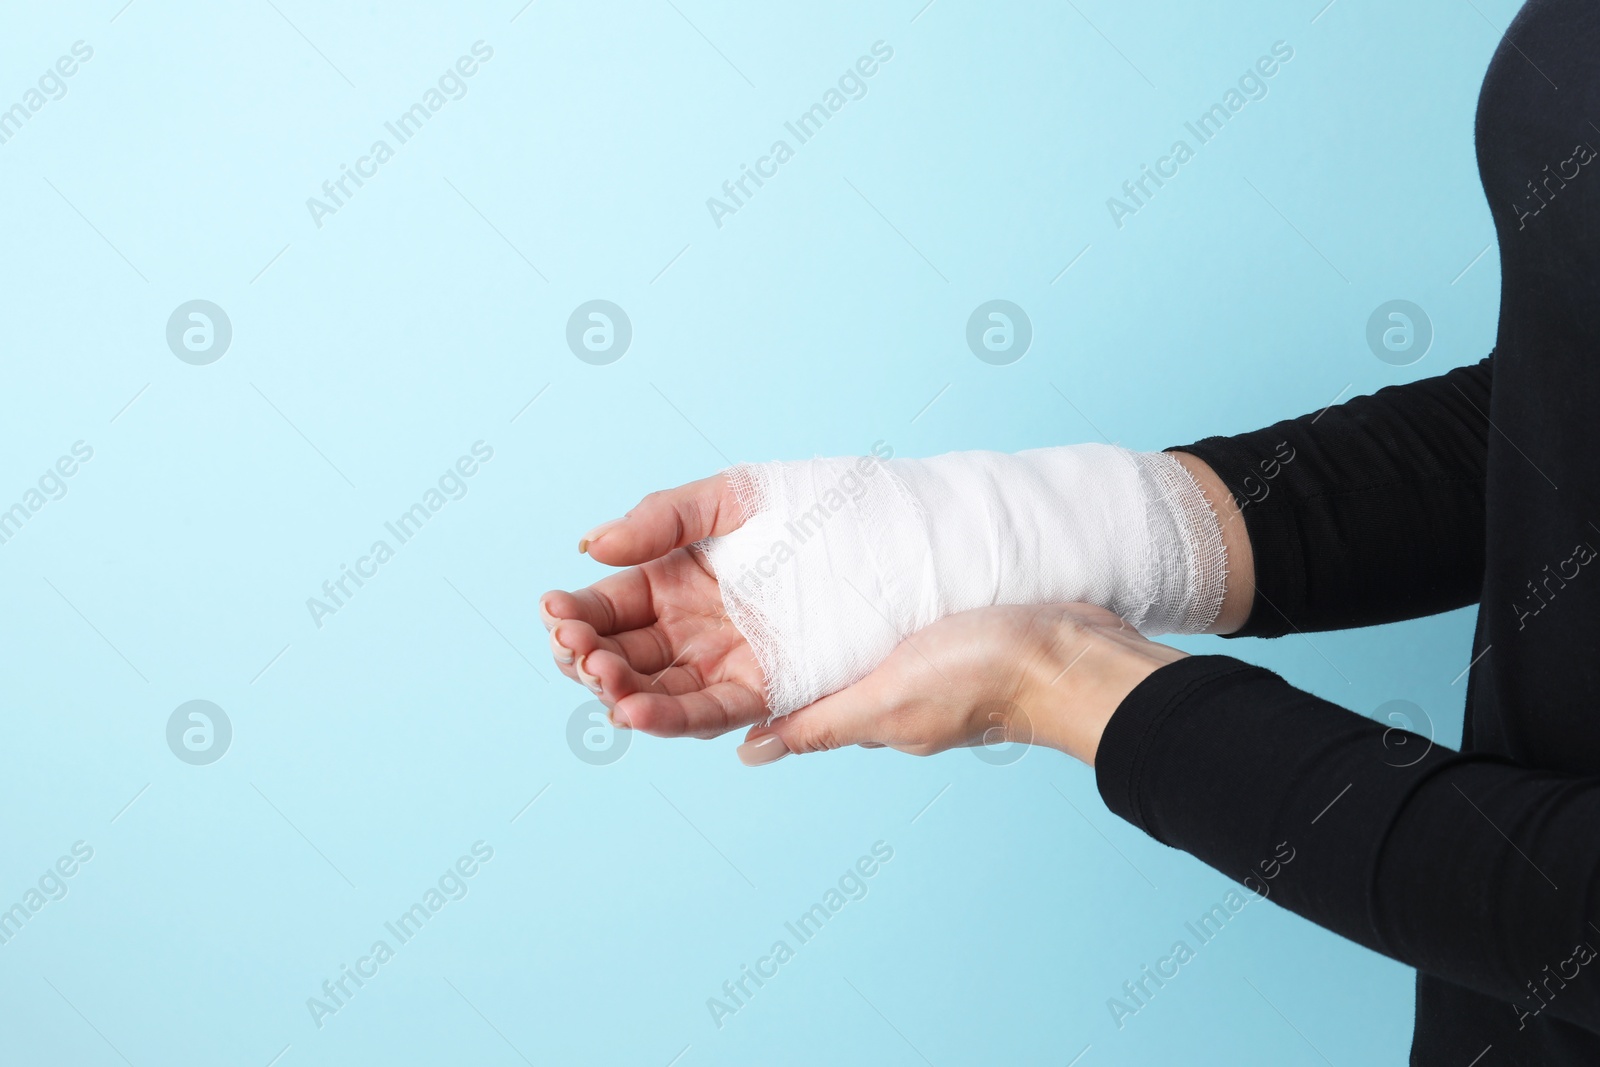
1127	743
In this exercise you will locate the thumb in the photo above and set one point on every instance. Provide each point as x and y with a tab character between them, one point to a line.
665	520
852	716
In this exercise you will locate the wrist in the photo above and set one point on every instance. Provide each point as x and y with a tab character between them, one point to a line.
1239	596
1090	662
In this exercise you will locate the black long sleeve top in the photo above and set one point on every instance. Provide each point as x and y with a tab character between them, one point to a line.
1481	868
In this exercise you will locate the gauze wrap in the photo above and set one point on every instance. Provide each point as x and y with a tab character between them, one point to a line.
839	560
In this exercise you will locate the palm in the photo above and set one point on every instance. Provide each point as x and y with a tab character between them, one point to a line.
706	649
659	641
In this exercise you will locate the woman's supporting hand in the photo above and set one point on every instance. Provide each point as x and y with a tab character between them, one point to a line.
1036	675
652	642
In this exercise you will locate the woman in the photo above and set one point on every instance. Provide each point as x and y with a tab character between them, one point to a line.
1479	868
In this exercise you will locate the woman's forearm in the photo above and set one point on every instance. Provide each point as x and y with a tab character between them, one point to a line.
838	559
1397	843
1365	512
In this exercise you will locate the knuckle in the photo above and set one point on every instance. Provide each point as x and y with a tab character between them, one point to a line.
693	510
816	739
899	720
604	609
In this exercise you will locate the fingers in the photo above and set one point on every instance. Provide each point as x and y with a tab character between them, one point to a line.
616	603
611	677
663	699
706	712
644	650
665	520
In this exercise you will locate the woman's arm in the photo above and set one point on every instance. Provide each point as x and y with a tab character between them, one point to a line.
1366	512
1467	867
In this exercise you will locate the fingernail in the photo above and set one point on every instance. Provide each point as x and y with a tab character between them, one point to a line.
595	534
763	750
620	720
590	680
561	652
548	619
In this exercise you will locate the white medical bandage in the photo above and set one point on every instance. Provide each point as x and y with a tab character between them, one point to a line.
839	560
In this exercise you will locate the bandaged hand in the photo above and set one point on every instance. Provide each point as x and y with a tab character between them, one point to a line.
766	588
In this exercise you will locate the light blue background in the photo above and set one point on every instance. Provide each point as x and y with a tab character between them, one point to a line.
373	752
